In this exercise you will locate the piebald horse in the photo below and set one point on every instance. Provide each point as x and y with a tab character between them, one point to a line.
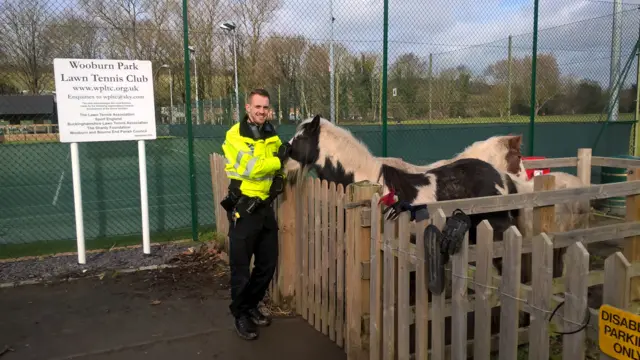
337	156
504	153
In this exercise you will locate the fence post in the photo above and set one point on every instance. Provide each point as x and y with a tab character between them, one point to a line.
188	119
220	183
384	80
584	173
584	166
534	59
358	254
616	287
288	257
544	221
632	244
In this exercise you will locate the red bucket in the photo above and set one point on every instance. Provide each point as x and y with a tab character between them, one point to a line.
535	172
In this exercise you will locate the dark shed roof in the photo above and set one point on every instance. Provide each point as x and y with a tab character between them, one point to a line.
26	104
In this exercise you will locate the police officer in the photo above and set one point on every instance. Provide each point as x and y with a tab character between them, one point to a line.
255	161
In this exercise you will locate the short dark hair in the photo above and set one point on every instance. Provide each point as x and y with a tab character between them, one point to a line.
259	91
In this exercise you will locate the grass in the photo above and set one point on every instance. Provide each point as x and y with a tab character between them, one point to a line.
44	248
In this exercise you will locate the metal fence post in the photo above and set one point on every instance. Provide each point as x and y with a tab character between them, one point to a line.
385	55
187	95
534	59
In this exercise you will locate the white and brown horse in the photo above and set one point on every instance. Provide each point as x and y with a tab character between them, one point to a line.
504	153
337	156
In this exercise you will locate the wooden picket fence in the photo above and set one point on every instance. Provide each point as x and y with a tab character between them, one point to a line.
349	273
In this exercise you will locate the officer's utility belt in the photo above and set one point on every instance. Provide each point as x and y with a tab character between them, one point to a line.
241	205
239	202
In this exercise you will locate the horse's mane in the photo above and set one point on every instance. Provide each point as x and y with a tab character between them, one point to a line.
342	136
337	140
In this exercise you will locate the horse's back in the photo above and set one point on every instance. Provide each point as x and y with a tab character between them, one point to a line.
468	178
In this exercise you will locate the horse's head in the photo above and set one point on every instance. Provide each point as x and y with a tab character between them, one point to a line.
305	144
503	152
333	152
513	154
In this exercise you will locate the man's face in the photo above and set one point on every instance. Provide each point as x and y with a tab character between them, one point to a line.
257	109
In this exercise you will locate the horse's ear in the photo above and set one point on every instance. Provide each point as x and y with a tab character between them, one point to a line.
314	125
515	142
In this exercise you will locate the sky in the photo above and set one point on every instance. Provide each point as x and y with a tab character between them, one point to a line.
472	32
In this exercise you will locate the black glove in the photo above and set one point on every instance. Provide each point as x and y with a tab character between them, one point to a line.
232	198
277	185
284	151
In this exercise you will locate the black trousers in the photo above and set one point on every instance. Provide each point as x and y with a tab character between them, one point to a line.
253	235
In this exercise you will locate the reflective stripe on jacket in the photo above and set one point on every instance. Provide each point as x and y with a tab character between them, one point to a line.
253	161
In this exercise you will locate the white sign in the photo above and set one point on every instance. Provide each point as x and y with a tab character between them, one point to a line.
395	92
104	100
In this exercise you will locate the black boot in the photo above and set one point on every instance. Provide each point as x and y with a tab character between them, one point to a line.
245	328
258	318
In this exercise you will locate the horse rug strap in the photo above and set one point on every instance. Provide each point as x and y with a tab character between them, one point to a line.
418	212
440	245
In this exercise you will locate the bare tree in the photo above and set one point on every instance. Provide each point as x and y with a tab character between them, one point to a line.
548	81
208	40
284	56
75	36
123	18
254	15
26	43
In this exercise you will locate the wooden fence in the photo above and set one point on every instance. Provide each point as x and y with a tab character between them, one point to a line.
362	281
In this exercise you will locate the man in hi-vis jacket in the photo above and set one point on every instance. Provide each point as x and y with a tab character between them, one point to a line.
255	159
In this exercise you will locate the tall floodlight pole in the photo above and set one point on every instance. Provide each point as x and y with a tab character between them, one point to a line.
614	69
231	26
332	71
195	69
165	66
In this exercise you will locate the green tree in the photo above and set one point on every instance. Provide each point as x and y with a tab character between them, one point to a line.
406	75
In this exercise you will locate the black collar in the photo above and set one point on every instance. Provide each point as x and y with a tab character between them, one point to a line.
265	131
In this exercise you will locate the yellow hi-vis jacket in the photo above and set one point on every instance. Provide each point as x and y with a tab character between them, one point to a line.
252	160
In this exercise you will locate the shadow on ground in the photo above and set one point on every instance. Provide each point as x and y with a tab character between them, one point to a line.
179	313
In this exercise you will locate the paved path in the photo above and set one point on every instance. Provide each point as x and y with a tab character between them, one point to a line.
168	314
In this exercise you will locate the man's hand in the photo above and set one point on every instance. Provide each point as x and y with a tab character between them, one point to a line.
284	151
277	185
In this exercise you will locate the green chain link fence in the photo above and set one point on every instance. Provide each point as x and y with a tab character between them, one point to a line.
457	71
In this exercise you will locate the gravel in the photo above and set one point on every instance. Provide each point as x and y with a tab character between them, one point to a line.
52	268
